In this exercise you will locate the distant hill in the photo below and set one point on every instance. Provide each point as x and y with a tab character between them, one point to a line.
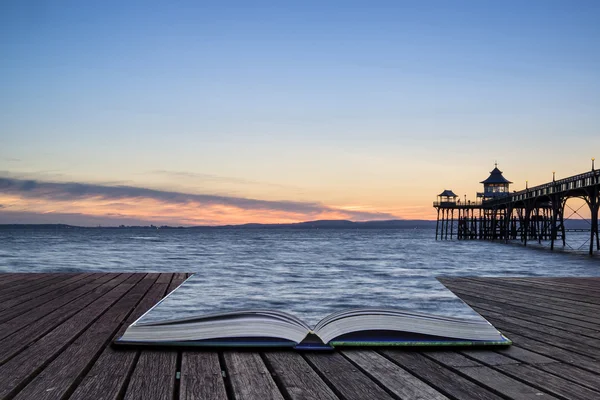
337	224
37	226
321	224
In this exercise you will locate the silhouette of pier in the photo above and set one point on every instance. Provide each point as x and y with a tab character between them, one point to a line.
532	214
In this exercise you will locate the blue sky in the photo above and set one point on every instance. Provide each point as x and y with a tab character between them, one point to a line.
375	106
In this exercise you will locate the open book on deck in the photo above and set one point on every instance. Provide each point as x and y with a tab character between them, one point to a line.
357	327
168	324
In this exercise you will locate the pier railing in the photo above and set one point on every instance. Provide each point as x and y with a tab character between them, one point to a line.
580	181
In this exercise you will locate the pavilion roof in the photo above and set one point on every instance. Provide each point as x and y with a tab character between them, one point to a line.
447	193
496	177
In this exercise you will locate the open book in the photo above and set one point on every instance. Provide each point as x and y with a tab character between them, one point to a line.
180	320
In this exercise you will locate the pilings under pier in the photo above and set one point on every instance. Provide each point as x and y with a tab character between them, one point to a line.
533	215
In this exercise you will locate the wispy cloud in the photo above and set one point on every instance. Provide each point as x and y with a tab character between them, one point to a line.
212	178
190	208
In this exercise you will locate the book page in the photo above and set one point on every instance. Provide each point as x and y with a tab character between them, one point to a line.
310	294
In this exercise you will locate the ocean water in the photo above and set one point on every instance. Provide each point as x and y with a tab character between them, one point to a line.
310	272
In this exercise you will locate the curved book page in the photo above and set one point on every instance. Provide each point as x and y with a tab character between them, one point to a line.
304	311
309	300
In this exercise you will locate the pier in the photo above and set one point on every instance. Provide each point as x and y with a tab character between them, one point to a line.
56	332
532	214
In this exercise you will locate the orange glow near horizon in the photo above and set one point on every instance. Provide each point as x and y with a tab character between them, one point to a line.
161	212
408	199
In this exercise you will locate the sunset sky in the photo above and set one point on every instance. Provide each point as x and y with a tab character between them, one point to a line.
218	112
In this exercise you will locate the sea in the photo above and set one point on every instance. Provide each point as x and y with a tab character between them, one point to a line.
310	272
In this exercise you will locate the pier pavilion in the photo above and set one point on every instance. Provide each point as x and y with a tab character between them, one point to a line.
532	214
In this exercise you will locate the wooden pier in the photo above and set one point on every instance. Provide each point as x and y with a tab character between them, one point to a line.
533	214
56	332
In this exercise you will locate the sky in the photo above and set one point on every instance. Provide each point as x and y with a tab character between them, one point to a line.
220	112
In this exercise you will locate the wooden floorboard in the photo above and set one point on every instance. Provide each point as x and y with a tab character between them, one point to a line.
40	302
59	377
554	292
201	376
108	377
296	377
345	378
24	287
20	332
53	289
534	303
146	372
56	334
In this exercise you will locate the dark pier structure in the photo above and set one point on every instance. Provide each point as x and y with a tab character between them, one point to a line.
533	214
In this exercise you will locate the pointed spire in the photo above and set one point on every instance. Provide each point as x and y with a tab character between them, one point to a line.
496	176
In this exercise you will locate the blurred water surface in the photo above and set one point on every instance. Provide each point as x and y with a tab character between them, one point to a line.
310	272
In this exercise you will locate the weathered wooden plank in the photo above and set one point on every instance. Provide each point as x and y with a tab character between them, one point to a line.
160	385
541	318
451	358
54	289
59	377
177	279
249	377
547	337
512	322
297	379
504	384
580	283
395	379
32	326
487	371
24	317
486	376
529	296
164	278
548	283
8	276
26	287
181	276
17	371
550	383
143	372
572	373
550	314
12	279
550	304
531	287
562	286
534	305
348	381
489	357
525	356
441	378
107	378
556	353
35	304
201	377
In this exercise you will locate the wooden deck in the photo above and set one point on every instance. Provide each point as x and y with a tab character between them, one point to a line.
56	330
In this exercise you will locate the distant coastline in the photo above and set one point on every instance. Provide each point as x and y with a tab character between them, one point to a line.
320	224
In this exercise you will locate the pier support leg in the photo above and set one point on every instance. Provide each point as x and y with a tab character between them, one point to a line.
452	225
594	227
553	217
447	211
437	224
